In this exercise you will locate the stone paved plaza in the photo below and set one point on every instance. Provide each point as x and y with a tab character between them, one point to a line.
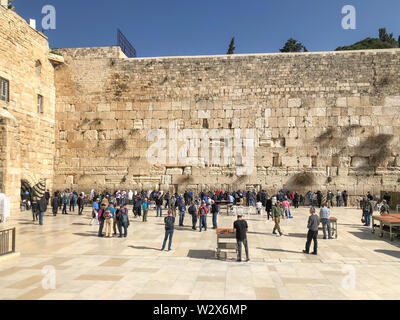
88	267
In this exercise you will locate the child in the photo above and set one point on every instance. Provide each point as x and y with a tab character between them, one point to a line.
145	207
259	207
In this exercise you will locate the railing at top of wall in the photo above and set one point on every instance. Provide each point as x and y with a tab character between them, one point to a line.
7	241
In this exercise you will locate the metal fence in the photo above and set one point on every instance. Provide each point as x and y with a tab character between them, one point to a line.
7	241
125	45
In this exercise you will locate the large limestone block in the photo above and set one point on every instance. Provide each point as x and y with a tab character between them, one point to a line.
353	101
91	135
174	171
341	102
294	103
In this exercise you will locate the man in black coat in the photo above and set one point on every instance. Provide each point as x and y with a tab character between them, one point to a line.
55	203
268	206
81	204
47	196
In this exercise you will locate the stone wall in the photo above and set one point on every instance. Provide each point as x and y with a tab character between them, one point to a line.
10	160
21	48
322	120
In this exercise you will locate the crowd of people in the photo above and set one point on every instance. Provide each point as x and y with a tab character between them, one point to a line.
109	210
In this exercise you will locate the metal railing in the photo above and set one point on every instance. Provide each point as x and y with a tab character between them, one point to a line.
7	241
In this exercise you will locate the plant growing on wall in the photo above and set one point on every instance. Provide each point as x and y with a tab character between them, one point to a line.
96	121
119	145
56	52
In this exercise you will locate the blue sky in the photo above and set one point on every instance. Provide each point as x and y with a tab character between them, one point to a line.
193	27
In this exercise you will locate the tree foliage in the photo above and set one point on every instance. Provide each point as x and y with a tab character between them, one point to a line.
293	46
385	41
232	47
10	5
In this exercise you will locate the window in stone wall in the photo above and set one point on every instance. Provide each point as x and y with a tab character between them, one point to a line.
276	161
40	104
4	89
313	161
205	124
38	68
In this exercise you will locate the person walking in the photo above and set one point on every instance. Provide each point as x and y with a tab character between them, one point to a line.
109	219
182	210
171	205
145	207
214	211
55	204
95	209
285	207
312	235
240	226
65	203
159	203
47	196
277	213
367	211
81	204
193	212
325	215
259	207
345	197
166	198
268	206
100	217
384	208
42	209
169	222
71	200
123	220
35	209
338	198
387	197
296	200
202	215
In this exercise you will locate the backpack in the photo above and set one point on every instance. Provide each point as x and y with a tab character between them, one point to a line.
169	223
192	209
203	211
107	214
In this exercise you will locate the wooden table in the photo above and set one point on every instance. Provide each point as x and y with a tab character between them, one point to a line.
224	241
333	221
389	221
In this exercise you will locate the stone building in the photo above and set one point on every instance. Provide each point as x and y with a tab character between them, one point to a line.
27	106
326	120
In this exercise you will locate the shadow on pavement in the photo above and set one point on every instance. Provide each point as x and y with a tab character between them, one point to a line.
90	234
145	248
279	250
391	253
201	254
